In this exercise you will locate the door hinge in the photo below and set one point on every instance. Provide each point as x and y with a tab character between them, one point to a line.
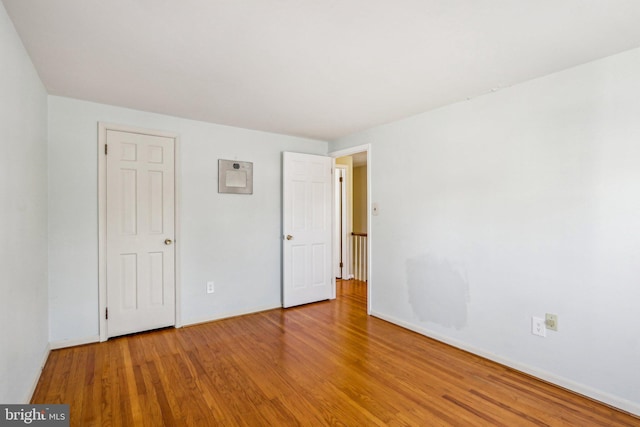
105	149
106	313
341	265
340	179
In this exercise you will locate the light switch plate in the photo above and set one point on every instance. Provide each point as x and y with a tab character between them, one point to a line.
537	326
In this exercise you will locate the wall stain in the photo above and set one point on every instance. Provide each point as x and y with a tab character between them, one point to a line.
438	292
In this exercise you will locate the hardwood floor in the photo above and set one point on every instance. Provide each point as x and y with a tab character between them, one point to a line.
322	364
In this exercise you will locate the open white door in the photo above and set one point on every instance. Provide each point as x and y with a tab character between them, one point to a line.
140	255
306	219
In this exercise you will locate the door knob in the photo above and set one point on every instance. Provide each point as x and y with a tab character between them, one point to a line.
168	241
289	237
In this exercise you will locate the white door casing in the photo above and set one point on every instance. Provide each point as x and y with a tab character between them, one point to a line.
140	232
340	236
307	227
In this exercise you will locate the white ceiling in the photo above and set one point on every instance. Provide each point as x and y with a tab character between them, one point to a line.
315	68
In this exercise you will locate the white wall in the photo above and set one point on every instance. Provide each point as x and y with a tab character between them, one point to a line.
23	219
233	240
519	203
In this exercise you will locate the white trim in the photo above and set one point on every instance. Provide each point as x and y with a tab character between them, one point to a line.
177	203
609	399
346	268
231	314
56	345
347	152
102	228
333	234
102	214
43	362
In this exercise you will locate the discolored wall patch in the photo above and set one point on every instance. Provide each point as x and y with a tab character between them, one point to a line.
438	292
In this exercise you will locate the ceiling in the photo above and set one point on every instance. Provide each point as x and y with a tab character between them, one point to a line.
316	68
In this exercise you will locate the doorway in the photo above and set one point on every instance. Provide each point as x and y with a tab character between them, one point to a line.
352	222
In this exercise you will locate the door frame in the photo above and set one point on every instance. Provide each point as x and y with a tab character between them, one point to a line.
102	217
347	152
343	235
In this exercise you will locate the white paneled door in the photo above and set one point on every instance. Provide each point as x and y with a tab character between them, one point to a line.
307	190
140	264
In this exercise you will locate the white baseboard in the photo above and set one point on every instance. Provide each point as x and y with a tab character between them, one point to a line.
606	398
74	342
228	315
45	357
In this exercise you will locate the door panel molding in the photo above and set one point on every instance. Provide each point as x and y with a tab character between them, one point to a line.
103	128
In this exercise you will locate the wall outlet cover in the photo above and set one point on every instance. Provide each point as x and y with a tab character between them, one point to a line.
551	321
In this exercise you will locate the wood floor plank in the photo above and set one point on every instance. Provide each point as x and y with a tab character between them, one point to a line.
322	364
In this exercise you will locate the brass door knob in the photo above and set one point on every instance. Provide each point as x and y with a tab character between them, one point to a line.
168	242
289	237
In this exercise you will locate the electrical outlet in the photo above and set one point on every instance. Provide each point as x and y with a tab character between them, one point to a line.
537	326
210	288
551	322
